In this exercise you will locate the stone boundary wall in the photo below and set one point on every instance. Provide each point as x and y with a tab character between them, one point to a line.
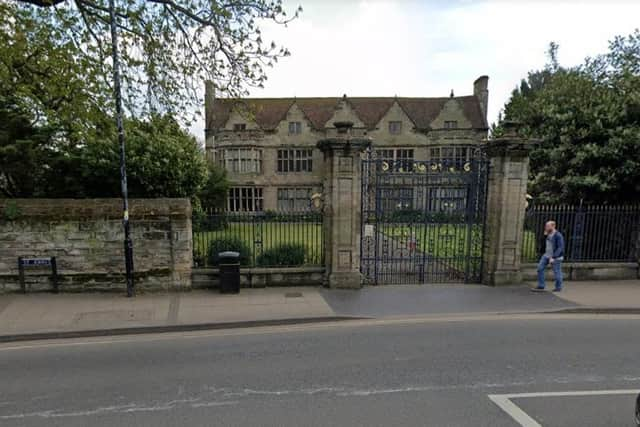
587	271
86	237
208	278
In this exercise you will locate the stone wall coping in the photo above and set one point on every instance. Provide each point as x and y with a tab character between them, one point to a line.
105	209
589	265
264	270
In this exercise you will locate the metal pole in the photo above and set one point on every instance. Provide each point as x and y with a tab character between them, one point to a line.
128	244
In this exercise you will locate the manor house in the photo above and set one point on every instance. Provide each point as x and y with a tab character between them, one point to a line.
268	145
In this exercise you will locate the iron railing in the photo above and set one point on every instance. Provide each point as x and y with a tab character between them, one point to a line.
593	233
263	239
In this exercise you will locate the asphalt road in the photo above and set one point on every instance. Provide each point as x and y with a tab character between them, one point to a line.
437	373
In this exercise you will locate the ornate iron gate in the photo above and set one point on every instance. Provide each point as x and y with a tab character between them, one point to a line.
423	221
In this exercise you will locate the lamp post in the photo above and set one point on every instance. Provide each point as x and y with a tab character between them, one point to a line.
128	244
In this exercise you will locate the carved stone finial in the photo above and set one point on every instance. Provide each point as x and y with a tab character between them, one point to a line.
511	128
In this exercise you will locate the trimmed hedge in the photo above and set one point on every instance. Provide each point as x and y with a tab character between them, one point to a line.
418	216
229	244
202	221
287	255
302	216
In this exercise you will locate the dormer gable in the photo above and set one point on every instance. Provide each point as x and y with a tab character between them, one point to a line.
451	116
295	114
395	114
240	117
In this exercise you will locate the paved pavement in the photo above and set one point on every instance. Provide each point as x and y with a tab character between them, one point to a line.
37	313
610	294
42	313
413	300
435	373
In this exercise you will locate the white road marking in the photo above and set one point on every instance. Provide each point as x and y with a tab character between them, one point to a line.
514	411
119	409
571	393
259	330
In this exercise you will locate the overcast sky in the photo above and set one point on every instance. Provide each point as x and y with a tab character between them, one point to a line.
427	48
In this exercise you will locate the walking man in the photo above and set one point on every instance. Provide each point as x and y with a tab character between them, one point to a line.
553	254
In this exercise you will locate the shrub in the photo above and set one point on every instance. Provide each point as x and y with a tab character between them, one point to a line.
418	216
273	216
446	218
406	215
11	211
229	244
292	216
202	221
292	254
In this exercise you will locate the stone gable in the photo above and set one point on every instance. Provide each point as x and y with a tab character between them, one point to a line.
396	113
344	113
451	111
236	116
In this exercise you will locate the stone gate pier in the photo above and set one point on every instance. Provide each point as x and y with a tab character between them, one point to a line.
506	204
342	204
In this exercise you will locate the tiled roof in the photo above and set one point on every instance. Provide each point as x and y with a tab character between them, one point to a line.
268	112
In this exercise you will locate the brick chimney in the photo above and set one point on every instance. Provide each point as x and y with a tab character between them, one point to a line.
481	91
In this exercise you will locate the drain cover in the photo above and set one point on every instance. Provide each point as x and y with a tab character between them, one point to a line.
293	295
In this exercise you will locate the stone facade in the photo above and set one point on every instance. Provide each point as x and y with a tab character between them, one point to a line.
86	238
257	277
418	126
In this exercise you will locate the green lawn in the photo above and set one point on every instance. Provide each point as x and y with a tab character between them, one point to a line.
451	240
260	236
439	240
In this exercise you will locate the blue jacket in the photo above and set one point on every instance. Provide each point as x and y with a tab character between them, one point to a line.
558	244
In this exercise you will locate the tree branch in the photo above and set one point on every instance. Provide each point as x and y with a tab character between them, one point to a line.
185	11
43	3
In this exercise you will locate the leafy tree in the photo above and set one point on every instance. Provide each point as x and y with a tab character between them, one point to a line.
56	136
23	147
47	78
163	160
588	118
214	192
168	47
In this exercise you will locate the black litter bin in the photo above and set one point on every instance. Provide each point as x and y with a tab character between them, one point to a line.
229	272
